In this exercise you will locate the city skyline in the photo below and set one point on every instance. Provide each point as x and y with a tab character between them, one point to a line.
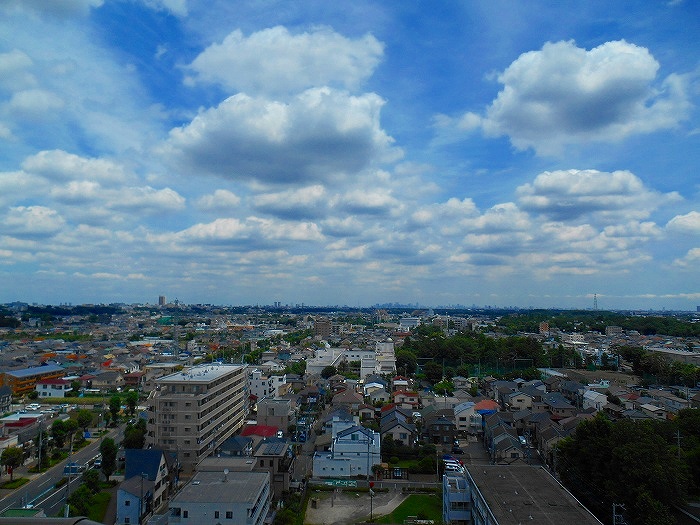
480	153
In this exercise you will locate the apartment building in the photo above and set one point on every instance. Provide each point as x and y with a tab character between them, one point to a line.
190	412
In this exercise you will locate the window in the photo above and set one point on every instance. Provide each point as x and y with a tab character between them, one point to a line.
216	514
185	513
127	520
127	503
229	514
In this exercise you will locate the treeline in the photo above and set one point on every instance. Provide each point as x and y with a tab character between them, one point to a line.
635	463
596	321
655	364
429	351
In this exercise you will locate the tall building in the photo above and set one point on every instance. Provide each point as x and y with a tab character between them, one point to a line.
161	300
190	412
322	327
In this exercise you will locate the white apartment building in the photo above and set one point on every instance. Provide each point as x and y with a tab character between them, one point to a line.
190	412
262	385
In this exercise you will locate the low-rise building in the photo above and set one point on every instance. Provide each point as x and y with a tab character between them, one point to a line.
243	498
52	388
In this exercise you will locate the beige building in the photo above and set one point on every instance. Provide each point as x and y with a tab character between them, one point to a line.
192	411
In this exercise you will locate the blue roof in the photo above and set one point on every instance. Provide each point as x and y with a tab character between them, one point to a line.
142	461
35	370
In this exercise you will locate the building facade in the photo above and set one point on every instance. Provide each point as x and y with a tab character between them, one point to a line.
193	410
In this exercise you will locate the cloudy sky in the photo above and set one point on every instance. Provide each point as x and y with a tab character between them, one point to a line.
490	152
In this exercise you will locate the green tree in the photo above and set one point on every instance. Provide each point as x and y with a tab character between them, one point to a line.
328	371
132	399
84	418
135	435
58	433
12	458
108	449
115	403
91	479
81	501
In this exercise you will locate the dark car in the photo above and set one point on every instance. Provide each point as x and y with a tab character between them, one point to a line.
457	450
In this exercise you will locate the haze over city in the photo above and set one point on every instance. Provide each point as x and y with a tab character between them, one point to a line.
489	153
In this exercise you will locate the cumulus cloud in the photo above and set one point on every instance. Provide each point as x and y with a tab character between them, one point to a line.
220	200
572	194
317	136
369	202
564	94
302	203
273	61
688	223
31	221
690	260
58	165
35	104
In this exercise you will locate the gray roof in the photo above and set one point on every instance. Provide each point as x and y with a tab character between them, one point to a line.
29	372
217	487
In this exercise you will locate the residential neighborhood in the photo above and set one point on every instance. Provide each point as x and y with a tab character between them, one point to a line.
266	405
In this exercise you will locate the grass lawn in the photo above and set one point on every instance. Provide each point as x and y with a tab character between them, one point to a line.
425	506
99	508
17	482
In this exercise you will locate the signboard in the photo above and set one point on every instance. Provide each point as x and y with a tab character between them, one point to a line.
341	482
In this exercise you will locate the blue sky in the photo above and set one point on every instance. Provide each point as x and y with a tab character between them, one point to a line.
502	153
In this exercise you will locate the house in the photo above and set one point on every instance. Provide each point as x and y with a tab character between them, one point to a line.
517	400
134	500
275	412
236	446
594	400
465	418
347	399
440	430
275	456
398	424
223	497
109	380
406	399
52	388
379	396
158	466
353	453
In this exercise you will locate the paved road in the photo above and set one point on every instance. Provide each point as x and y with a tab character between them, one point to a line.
40	491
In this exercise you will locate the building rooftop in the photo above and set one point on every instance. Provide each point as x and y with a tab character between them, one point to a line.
200	374
36	370
217	487
526	494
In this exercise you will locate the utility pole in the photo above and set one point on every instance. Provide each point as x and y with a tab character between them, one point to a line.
70	472
618	518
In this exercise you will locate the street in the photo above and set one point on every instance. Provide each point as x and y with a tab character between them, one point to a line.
40	491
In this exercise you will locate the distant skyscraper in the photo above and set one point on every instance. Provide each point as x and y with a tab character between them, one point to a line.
161	300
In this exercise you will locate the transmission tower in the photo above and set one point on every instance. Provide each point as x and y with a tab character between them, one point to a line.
595	301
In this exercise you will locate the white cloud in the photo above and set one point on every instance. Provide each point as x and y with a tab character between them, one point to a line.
317	136
35	104
572	194
273	61
690	260
57	8
15	74
220	200
31	221
563	94
307	202
365	201
57	165
688	223
176	7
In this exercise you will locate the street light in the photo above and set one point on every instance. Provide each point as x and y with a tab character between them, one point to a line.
143	475
371	500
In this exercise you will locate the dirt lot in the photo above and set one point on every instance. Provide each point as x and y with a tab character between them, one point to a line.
588	376
346	508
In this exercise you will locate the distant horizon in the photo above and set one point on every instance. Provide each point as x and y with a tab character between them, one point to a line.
493	153
392	305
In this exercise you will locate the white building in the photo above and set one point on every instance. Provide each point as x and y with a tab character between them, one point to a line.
353	453
262	385
242	498
52	388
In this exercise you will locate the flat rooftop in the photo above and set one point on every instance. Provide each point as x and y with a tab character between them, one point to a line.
200	374
525	494
217	487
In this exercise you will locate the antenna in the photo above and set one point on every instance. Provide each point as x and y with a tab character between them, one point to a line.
595	301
